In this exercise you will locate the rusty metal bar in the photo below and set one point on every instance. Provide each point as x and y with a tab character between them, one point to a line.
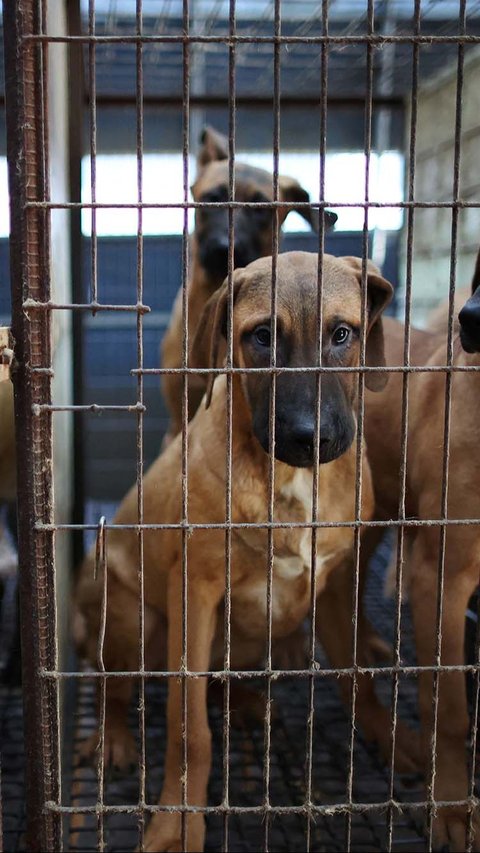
405	404
376	40
264	525
229	431
317	810
26	106
257	205
140	416
186	59
316	451
432	807
221	674
92	82
360	449
271	426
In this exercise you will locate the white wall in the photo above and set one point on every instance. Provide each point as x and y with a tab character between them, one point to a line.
61	292
434	182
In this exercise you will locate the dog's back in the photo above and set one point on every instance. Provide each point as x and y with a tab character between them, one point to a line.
383	413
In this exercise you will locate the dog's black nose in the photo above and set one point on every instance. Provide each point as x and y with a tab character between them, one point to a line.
302	437
214	255
469	318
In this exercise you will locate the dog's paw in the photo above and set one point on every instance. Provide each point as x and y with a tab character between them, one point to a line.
451	830
164	834
120	750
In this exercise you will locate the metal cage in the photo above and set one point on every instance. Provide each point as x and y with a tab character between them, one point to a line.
275	788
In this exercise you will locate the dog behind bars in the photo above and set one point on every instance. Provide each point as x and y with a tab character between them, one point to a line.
8	473
205	547
252	238
423	545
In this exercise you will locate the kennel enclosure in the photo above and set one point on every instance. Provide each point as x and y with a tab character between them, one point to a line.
88	80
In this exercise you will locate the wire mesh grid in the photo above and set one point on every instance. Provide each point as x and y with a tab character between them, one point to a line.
27	46
289	725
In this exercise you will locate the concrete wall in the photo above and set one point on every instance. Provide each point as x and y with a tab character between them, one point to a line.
61	292
434	183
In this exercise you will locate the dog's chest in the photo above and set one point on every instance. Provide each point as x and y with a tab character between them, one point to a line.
292	562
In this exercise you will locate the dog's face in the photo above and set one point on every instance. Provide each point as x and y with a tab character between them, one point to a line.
252	228
297	307
469	319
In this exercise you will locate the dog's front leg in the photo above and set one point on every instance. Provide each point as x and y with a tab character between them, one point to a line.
451	776
334	629
165	829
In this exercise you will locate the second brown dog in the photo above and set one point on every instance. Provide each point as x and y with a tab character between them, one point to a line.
423	545
209	250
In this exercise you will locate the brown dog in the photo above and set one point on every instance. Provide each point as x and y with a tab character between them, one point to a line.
8	472
252	238
207	447
423	544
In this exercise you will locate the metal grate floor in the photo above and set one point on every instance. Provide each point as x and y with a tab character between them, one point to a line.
287	761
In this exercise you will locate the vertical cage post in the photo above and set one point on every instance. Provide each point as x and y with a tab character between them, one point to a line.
30	276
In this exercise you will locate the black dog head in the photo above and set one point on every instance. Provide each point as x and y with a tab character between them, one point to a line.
252	227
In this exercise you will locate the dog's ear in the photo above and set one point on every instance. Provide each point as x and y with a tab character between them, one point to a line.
213	146
379	294
291	190
211	332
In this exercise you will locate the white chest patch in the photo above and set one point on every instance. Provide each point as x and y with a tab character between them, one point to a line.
288	568
292	566
300	488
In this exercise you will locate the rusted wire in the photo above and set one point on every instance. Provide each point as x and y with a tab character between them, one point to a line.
317	810
140	413
277	674
185	38
316	450
251	205
360	418
405	408
432	808
185	348
28	160
229	429
271	432
264	525
92	85
101	569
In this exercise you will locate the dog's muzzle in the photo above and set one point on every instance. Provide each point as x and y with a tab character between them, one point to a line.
295	441
214	256
469	318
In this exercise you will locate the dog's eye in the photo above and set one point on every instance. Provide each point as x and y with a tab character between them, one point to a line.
262	336
341	335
